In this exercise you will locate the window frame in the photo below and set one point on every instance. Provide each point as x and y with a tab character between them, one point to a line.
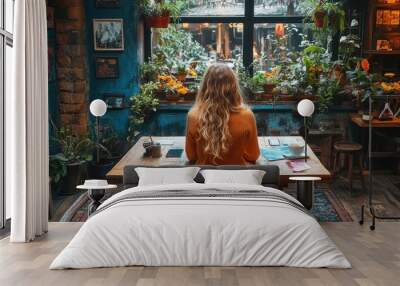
6	39
249	19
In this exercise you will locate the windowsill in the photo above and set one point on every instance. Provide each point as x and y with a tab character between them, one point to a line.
185	106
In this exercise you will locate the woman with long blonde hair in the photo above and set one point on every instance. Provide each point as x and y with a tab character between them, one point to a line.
221	130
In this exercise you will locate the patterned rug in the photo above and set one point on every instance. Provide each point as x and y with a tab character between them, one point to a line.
327	207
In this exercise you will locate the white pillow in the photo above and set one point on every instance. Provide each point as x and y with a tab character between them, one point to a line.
166	176
248	177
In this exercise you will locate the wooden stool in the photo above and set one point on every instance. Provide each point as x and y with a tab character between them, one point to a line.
349	150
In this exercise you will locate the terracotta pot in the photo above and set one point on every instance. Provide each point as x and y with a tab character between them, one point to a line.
319	18
268	88
263	96
157	21
181	77
170	96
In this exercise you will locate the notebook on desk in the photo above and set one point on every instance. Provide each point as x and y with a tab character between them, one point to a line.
275	153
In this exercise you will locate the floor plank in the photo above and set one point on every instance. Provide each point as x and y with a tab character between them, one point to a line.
375	257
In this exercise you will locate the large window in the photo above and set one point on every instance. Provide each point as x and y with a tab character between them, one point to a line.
6	43
241	29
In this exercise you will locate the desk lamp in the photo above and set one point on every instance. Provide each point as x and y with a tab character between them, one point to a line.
306	109
98	108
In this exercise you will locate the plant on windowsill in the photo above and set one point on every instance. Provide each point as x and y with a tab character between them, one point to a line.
144	104
68	166
173	88
364	85
157	13
181	72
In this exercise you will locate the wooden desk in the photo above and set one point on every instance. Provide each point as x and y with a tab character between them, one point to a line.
135	157
377	126
376	123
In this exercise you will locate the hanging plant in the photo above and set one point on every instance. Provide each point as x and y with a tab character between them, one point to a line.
319	17
157	13
327	15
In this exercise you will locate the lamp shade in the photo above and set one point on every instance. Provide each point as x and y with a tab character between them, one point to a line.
98	107
305	108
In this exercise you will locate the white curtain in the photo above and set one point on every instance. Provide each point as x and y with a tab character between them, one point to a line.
27	124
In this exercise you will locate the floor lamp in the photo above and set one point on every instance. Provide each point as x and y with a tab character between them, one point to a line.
306	109
98	108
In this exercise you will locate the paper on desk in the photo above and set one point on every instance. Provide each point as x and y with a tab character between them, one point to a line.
298	165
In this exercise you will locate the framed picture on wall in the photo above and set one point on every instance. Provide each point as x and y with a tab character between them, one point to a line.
107	67
383	45
114	101
107	3
108	34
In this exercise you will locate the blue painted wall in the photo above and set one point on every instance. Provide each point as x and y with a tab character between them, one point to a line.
127	83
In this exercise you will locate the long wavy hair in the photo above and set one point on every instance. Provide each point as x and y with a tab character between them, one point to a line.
218	96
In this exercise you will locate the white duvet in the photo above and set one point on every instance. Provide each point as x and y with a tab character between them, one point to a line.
202	232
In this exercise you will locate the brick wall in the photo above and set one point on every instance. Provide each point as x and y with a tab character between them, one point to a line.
71	64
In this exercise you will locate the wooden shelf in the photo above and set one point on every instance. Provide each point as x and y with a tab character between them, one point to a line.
388	6
375	52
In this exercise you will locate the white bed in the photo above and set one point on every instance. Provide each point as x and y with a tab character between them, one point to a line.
201	231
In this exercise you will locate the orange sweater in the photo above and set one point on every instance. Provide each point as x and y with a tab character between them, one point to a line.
243	148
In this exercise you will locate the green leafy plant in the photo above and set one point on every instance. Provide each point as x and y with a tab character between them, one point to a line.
74	150
181	68
149	71
327	91
176	47
162	7
349	50
364	84
57	168
258	81
144	104
328	16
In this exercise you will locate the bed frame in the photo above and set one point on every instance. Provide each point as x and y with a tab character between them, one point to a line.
270	179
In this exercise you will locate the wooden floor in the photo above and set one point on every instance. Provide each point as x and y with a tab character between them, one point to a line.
375	257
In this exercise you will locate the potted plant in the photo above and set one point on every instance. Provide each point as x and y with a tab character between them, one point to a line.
157	13
149	71
68	166
319	16
111	149
328	89
364	85
327	15
270	80
181	72
143	105
173	88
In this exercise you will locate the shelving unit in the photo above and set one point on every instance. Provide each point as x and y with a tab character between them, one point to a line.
383	30
370	173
